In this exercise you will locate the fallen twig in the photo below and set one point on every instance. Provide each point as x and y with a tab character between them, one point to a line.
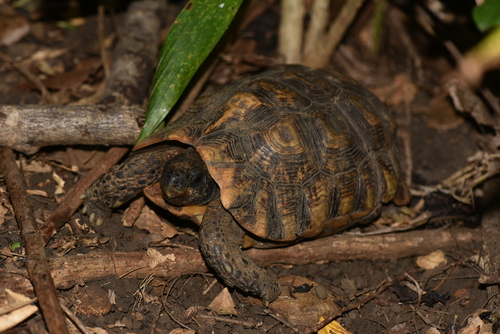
36	261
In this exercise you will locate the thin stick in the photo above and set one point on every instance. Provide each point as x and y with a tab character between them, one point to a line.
46	96
228	320
36	261
101	33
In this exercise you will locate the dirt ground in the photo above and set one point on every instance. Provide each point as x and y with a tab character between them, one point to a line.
437	142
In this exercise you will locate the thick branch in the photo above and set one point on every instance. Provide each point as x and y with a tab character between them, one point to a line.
136	54
26	128
383	247
69	270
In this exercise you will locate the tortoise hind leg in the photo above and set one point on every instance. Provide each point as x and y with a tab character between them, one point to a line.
220	242
125	181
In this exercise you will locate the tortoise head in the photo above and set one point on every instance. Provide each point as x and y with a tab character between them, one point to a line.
186	180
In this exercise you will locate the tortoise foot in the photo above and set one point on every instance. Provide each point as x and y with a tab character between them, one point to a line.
220	243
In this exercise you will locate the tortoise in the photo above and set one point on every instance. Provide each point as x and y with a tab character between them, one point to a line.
289	154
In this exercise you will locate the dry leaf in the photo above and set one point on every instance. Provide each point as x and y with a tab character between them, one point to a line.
475	325
112	297
148	220
466	101
223	304
333	327
442	114
37	192
400	90
182	331
306	306
94	302
432	260
399	329
432	330
17	309
34	166
59	184
13	26
3	208
97	330
74	78
63	245
156	258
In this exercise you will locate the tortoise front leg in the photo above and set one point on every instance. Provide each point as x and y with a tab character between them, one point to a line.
221	239
125	181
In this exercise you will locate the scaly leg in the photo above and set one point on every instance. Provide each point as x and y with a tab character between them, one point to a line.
221	239
125	181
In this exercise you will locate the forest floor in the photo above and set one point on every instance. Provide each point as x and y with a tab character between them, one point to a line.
406	296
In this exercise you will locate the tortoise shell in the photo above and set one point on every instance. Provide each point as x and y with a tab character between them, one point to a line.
297	153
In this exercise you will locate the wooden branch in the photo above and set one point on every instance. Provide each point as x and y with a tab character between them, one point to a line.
36	261
70	270
136	54
383	247
26	128
324	48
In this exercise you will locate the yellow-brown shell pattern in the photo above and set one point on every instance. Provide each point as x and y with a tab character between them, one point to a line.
296	152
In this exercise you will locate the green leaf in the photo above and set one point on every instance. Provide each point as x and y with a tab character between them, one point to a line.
487	15
15	245
193	35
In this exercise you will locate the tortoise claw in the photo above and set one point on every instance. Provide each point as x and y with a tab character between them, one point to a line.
117	204
92	218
